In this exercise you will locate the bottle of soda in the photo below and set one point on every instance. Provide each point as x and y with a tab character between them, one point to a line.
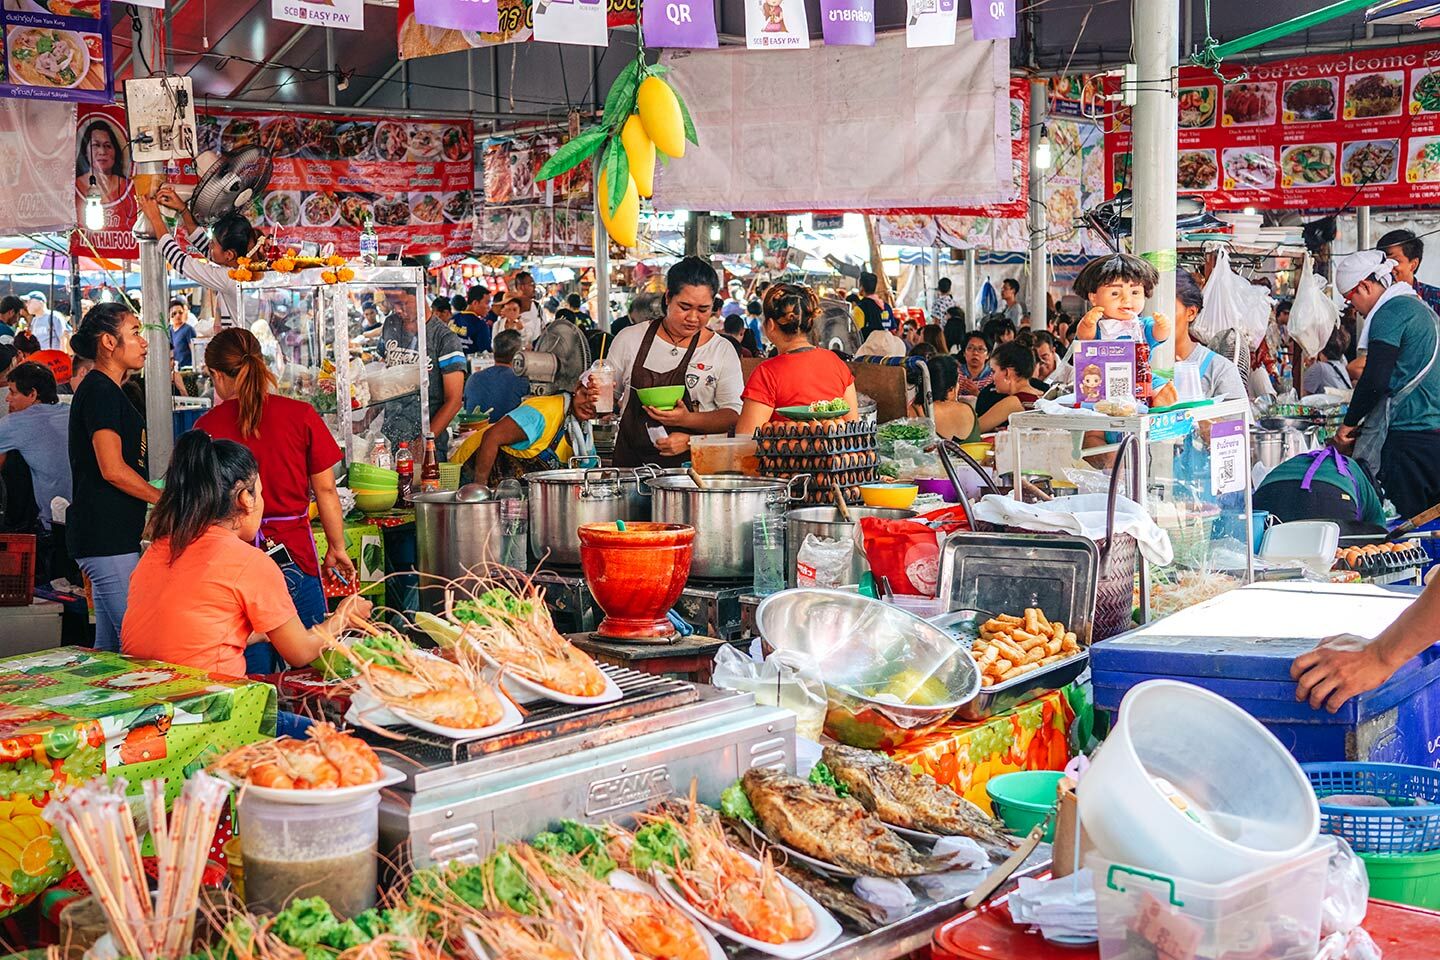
430	468
405	466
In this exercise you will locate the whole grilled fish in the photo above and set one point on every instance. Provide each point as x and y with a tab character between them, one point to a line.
820	824
917	802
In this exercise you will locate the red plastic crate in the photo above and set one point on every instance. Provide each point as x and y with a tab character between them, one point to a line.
17	569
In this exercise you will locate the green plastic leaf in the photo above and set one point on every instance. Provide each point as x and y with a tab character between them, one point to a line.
620	101
663	157
573	153
689	124
617	174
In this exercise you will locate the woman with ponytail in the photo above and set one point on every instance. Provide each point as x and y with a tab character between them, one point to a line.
107	465
296	457
202	590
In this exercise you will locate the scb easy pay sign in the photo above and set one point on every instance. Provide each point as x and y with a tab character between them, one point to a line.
340	14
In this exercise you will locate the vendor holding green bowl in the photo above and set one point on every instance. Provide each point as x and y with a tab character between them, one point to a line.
677	351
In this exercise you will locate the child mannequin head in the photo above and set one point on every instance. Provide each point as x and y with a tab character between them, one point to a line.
1117	284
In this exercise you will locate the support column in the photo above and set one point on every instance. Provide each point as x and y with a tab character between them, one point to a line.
154	290
1036	221
1156	32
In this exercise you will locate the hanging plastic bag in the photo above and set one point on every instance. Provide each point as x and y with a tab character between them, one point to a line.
1232	303
1313	317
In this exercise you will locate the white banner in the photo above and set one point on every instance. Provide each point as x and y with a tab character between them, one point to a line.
37	166
931	23
776	25
932	129
571	21
340	14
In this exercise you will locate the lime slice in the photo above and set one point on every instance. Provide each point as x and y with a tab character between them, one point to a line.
441	631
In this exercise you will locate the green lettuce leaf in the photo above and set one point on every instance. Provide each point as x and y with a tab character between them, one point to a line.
736	805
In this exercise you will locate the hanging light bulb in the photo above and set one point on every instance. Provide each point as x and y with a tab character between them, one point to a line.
94	207
715	231
1043	157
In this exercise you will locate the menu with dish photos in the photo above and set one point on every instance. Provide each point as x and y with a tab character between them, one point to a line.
1323	131
56	50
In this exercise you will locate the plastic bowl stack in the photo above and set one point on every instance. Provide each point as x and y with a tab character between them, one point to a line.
376	489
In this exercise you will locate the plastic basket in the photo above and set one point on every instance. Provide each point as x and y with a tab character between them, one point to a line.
1406	878
1410	824
17	569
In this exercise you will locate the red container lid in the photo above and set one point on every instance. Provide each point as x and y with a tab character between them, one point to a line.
989	933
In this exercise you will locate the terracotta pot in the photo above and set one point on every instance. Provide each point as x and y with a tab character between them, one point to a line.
636	575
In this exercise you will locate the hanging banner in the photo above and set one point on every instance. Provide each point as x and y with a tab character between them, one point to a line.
479	15
101	148
57	50
1017	202
680	24
776	25
1342	130
36	144
848	23
571	21
516	24
931	23
992	19
337	14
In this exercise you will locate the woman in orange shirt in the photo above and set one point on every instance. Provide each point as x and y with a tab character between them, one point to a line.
203	591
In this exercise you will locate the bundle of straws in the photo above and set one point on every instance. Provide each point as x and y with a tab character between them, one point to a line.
99	830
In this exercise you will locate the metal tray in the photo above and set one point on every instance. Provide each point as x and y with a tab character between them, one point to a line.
1007	572
964	625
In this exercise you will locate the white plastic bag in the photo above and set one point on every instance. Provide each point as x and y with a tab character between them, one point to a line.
783	679
1313	317
1347	895
823	562
1232	303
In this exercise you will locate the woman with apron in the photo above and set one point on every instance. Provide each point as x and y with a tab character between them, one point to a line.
296	455
678	350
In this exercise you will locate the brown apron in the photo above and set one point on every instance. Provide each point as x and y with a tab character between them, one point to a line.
633	446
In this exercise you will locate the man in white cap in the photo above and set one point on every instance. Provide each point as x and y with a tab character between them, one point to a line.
1402	369
47	325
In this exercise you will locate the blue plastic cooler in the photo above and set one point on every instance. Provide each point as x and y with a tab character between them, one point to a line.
1398	723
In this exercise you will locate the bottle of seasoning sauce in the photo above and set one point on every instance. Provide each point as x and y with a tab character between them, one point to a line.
430	468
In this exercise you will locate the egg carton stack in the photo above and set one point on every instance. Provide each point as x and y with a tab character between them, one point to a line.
833	453
1378	560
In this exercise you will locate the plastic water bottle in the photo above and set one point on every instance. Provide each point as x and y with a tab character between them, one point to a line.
369	244
769	544
380	454
514	524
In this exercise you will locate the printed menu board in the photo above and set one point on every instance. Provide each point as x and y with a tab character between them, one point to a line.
56	50
1322	131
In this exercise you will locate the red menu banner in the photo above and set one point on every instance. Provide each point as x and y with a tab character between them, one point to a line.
1324	131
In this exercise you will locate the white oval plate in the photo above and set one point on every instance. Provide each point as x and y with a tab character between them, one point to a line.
478	951
367	704
528	691
819	866
621	880
389	776
826	927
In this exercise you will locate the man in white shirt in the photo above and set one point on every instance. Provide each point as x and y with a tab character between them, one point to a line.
523	290
227	240
48	326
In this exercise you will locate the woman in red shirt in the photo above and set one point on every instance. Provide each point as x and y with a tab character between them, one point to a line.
800	373
296	455
203	590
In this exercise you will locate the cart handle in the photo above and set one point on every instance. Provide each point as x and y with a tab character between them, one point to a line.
1143	874
1131	446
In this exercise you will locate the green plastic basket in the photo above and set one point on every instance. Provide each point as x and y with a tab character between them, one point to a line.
1024	798
1412	878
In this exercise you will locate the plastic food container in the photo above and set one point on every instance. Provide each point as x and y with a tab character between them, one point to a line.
1310	542
1188	784
712	455
1277	908
294	850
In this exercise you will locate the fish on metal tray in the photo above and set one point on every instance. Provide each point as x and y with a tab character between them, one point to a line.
900	797
819	823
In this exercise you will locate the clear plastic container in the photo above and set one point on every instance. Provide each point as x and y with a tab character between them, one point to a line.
1270	914
734	455
769	543
299	850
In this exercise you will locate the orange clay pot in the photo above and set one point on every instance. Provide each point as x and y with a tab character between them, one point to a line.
636	575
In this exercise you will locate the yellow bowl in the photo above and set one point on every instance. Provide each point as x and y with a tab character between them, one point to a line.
898	496
376	502
977	451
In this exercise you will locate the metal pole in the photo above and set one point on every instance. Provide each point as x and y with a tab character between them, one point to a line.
330	89
1362	214
1035	209
972	312
154	296
602	262
1156	33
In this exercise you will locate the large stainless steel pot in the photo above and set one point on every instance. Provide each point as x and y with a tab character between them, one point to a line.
826	522
723	515
561	500
1268	447
452	538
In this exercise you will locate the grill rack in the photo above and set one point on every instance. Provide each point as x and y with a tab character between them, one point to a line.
644	694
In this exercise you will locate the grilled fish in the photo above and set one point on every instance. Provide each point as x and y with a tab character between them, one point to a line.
820	824
917	802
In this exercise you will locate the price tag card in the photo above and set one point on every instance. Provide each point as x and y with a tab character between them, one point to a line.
1227	457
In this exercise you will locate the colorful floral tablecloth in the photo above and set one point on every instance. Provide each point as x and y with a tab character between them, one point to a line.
70	714
1033	736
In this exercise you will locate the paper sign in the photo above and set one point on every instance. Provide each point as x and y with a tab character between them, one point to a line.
848	23
571	21
680	23
992	19
339	14
482	16
776	25
1227	457
1104	370
931	23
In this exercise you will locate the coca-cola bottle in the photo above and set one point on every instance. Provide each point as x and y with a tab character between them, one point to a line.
405	466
